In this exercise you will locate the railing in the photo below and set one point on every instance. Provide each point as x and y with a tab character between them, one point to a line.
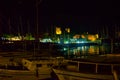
115	75
107	68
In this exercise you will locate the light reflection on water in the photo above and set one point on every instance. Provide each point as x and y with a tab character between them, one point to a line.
87	50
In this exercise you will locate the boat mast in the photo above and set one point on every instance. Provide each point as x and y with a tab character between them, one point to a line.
28	28
9	25
21	28
37	26
36	34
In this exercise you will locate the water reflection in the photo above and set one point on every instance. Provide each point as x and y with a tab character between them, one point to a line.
87	50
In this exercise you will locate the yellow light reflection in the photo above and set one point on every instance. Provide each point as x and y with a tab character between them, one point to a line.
91	50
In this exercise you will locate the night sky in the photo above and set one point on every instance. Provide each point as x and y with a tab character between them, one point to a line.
80	15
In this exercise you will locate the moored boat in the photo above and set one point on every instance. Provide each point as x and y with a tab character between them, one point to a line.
42	65
77	70
10	71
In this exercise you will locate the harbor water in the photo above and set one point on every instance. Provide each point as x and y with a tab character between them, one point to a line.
89	50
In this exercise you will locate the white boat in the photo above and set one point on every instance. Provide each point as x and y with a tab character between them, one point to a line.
87	71
42	66
31	69
17	75
10	71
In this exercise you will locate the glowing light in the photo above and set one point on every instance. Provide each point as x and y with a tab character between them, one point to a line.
58	42
46	40
77	36
80	42
68	30
91	50
15	38
66	42
64	49
97	36
58	30
82	36
91	37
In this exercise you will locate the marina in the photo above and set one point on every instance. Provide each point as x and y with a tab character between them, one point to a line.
28	68
104	67
90	69
59	40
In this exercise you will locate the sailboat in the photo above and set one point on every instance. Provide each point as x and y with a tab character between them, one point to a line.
87	70
11	70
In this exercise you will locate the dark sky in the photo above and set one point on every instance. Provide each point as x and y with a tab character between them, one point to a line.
80	15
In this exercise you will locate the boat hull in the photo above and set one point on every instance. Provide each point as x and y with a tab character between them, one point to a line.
42	73
17	75
68	75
